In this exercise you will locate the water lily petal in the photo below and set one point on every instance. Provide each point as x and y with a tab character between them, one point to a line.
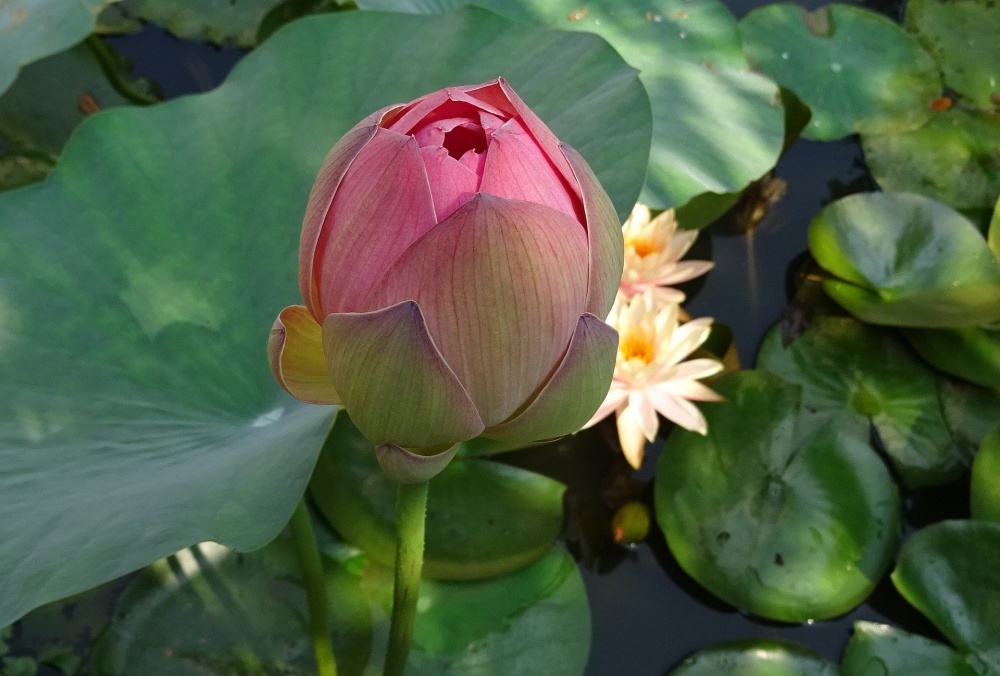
502	286
616	398
677	409
577	387
683	271
604	233
295	350
695	369
394	382
691	390
641	409
631	437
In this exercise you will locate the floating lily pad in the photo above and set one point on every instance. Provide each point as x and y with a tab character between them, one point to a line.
138	284
774	512
483	518
856	70
716	126
962	37
970	411
906	260
949	572
218	21
854	374
953	159
882	650
972	353
986	478
764	657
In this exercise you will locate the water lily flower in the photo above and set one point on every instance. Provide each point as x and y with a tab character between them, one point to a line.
456	264
651	374
653	252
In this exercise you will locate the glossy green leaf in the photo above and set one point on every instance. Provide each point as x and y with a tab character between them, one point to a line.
717	126
970	411
986	478
949	572
993	235
951	159
882	650
862	74
906	260
972	353
483	518
773	511
761	657
852	373
218	21
32	29
962	37
138	285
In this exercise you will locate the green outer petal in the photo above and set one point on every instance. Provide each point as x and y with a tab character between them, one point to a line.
972	353
985	474
394	382
575	390
406	467
604	237
295	351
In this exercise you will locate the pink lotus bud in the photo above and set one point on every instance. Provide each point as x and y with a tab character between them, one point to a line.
455	259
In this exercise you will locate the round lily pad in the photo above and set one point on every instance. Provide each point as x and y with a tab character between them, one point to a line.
858	71
773	511
218	21
717	126
986	479
881	650
140	280
972	353
483	518
764	657
852	373
906	260
970	411
949	572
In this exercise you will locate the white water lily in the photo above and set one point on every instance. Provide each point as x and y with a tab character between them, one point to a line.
653	251
651	374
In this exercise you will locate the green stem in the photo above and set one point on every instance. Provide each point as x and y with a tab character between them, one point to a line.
109	64
312	572
411	508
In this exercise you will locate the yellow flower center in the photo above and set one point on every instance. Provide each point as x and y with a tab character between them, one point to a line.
642	246
635	346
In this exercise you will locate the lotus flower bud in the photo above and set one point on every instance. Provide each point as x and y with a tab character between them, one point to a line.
456	262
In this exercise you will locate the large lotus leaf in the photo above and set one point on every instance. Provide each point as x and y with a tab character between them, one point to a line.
906	260
986	479
763	657
32	29
881	650
483	518
962	37
138	284
970	411
774	512
952	158
716	125
218	21
853	373
972	352
949	572
856	70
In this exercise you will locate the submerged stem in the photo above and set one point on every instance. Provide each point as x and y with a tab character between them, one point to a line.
411	508
312	573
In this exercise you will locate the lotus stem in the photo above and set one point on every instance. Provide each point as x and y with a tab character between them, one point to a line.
107	59
411	509
312	573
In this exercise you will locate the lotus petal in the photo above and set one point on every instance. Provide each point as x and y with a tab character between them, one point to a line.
295	350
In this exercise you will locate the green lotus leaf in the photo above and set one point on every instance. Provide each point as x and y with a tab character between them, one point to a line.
951	159
906	260
862	74
140	280
972	353
853	374
218	21
949	572
970	411
962	37
985	472
483	518
881	650
774	511
717	126
760	657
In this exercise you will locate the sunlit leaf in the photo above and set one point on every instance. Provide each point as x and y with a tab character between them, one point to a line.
882	650
972	353
762	657
986	479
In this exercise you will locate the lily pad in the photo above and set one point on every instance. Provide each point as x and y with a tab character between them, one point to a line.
859	72
764	657
717	126
140	280
483	518
881	650
962	37
33	29
853	374
985	475
972	353
970	411
772	511
906	260
949	572
953	159
218	21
